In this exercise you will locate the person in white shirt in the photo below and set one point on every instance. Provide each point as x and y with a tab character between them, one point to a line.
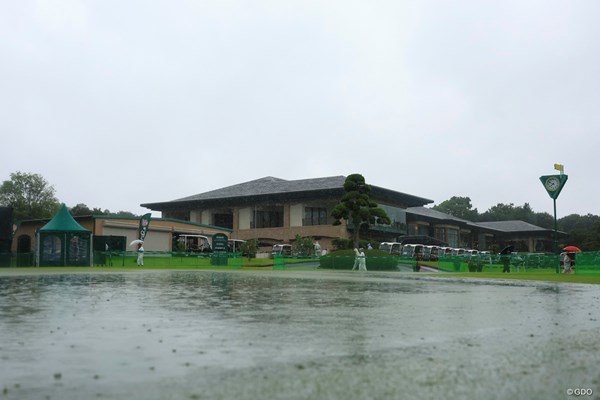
566	263
140	256
362	263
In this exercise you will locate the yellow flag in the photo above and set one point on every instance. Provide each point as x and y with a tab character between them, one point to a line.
559	167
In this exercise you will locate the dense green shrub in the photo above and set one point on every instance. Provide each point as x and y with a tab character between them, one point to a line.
377	260
249	248
342	244
303	246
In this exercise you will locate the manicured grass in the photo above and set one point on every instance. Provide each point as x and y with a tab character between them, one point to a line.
185	262
548	275
128	263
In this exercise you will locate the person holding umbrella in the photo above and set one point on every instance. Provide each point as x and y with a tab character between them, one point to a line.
505	257
568	258
362	263
140	255
140	251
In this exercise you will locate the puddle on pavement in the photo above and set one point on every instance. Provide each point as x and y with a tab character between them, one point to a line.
143	333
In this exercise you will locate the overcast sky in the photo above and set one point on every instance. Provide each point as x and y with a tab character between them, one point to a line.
118	103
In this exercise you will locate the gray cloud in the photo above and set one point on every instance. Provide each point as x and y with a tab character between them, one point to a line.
118	104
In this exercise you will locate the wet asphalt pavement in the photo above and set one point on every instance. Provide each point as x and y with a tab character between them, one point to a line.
294	335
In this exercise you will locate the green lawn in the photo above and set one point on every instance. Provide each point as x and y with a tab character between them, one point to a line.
548	275
128	263
188	263
185	261
543	275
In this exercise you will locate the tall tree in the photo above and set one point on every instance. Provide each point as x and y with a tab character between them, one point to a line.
122	213
510	212
544	220
30	196
524	213
459	207
80	209
357	208
500	212
586	239
577	222
583	230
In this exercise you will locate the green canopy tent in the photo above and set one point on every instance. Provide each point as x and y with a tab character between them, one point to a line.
62	241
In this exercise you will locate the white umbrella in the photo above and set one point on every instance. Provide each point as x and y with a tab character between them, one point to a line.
136	241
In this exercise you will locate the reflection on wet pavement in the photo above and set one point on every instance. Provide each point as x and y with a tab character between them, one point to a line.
122	334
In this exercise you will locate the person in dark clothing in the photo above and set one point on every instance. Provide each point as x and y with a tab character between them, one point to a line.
505	262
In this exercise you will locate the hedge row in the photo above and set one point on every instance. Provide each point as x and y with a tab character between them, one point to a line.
377	260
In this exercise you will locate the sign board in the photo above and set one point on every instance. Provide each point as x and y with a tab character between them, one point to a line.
219	242
554	184
144	224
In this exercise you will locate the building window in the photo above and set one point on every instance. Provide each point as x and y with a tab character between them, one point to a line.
412	229
315	216
182	215
422	230
271	217
223	220
452	238
397	223
466	239
440	234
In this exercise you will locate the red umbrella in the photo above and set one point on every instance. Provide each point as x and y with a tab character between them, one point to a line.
572	248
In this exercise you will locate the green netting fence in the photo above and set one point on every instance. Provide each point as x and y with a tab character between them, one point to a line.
499	263
373	263
166	259
587	263
151	259
169	259
278	261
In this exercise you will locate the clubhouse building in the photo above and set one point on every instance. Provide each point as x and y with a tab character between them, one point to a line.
274	211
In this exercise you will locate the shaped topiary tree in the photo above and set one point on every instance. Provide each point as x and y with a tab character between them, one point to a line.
357	207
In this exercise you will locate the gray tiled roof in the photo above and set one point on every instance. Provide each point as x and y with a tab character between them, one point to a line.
276	187
269	185
499	226
431	213
511	226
